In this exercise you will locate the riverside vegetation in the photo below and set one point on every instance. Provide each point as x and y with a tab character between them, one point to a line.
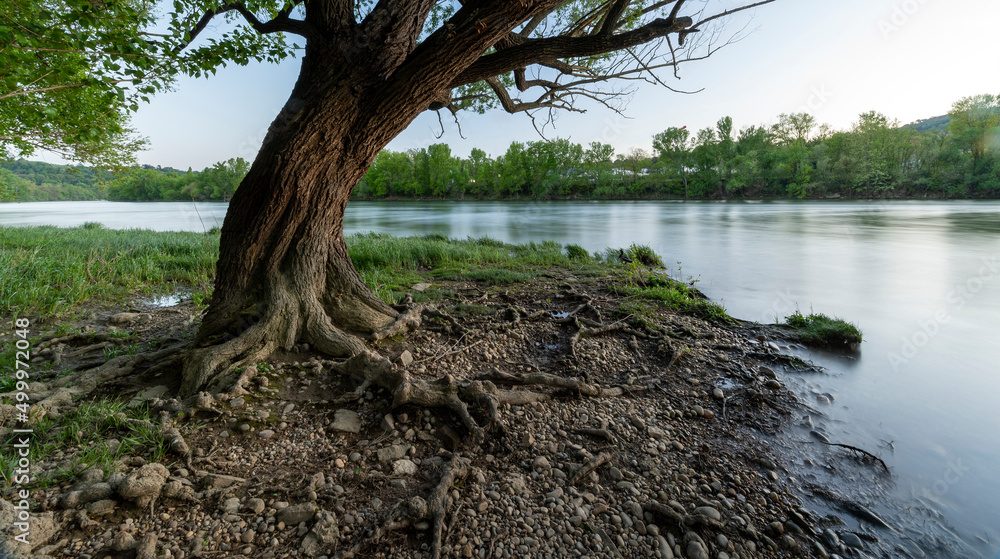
643	434
953	156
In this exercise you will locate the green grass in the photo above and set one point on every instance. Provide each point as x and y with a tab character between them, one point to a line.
640	283
821	330
48	271
88	427
389	264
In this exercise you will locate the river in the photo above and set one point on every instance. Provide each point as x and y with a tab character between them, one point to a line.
921	279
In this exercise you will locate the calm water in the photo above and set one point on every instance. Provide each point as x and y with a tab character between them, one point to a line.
922	280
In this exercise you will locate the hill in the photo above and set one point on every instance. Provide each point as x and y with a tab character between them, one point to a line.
933	124
36	181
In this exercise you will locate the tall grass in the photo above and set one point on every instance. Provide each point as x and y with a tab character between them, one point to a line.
50	270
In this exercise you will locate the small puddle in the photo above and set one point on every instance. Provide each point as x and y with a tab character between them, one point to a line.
164	300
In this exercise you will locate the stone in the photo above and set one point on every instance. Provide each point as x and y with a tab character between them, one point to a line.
768	372
541	465
789	542
709	512
831	538
266	434
518	484
248	536
42	529
637	422
255	506
150	393
124	318
392	453
101	508
236	402
143	485
694	547
405	359
346	421
147	547
404	468
851	540
230	505
123	541
324	533
296	514
718	394
773	384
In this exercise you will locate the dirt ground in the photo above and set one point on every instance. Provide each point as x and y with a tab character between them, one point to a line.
655	448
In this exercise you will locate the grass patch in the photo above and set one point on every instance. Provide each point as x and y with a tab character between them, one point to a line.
83	435
48	271
577	252
639	282
678	297
821	330
388	264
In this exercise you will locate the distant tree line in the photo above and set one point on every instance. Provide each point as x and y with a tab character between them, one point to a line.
34	181
217	183
952	156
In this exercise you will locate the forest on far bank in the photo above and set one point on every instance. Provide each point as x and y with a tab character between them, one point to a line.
951	156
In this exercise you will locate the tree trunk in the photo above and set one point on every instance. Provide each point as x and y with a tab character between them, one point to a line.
284	275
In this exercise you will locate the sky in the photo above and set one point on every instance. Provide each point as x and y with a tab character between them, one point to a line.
908	59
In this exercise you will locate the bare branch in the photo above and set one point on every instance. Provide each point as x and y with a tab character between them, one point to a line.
551	48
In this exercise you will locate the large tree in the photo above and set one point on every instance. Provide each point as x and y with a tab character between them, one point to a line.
368	69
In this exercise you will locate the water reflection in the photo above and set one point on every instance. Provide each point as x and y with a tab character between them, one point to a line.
891	267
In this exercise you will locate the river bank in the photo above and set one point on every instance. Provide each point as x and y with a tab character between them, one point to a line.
654	441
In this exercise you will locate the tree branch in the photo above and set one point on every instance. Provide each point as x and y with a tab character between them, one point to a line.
280	23
551	48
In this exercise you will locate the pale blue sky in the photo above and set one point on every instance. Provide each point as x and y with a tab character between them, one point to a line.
908	59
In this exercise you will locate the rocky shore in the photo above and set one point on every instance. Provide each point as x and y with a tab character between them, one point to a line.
659	449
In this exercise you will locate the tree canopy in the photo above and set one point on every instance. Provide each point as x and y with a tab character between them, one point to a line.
74	70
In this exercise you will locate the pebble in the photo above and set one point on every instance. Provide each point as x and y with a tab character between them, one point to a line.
404	468
255	506
266	434
851	540
346	421
718	394
709	512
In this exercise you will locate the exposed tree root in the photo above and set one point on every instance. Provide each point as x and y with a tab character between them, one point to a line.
406	321
374	369
596	462
546	379
86	381
860	451
456	326
434	508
